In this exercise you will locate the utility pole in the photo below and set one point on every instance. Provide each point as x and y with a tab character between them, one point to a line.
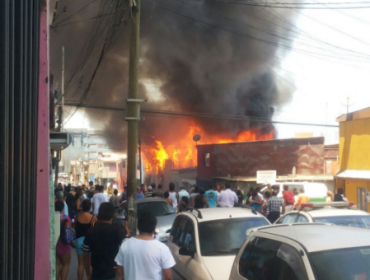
133	115
140	162
62	91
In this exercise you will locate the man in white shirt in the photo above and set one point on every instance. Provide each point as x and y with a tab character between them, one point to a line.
98	199
183	192
144	257
227	198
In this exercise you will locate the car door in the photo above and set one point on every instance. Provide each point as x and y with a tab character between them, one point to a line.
265	258
183	236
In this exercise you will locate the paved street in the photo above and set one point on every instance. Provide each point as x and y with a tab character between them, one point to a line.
73	268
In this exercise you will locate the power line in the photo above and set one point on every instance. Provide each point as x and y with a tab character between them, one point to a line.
202	115
287	6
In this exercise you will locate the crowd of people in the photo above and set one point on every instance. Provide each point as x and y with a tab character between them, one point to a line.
104	251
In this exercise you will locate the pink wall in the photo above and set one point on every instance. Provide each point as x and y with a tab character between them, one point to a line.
42	243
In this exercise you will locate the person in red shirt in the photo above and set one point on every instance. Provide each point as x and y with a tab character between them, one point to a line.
288	197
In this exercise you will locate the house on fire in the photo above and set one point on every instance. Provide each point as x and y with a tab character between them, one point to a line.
299	159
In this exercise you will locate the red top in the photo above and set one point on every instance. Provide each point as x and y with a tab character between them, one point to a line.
288	197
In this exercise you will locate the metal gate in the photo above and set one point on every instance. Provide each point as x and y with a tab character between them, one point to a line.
19	48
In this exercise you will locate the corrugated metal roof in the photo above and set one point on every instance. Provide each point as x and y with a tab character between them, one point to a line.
355	174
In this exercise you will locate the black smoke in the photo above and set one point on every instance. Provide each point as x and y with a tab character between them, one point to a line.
203	56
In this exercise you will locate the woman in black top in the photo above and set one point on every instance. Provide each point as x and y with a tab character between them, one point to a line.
200	201
84	221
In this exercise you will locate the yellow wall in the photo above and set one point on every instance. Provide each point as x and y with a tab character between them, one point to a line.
351	188
354	152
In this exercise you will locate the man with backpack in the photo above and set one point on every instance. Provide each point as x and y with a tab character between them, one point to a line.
288	198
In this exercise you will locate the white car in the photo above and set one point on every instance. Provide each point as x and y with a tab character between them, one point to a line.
204	242
316	212
304	252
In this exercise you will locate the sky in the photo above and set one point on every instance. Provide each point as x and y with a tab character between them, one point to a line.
329	68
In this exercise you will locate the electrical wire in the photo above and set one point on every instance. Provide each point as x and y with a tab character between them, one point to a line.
288	6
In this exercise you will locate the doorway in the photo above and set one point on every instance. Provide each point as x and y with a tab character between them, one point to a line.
362	199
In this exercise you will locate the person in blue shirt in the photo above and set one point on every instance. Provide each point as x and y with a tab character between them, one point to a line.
211	196
138	194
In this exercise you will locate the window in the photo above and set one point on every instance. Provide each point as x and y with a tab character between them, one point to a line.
183	234
271	260
302	219
207	160
224	237
352	263
288	219
346	221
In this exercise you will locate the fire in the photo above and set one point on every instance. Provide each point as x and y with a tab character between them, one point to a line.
183	153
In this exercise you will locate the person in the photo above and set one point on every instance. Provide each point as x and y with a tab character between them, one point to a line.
302	198
218	189
139	194
61	196
269	189
227	198
98	199
249	194
83	194
149	193
211	196
295	192
339	196
288	198
83	223
200	201
70	200
239	194
265	209
144	257
124	194
63	248
184	203
159	191
329	196
256	201
174	196
168	199
91	184
142	189
77	201
183	193
101	244
194	193
273	206
115	199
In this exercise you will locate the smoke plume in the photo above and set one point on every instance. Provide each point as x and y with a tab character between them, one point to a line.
195	56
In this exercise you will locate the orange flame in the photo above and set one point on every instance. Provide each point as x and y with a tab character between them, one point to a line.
183	153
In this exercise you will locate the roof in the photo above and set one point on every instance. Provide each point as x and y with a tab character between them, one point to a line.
279	179
295	141
327	212
355	174
149	199
357	115
331	237
220	213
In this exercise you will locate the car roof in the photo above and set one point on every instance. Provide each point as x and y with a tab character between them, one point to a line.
220	213
321	237
149	199
333	212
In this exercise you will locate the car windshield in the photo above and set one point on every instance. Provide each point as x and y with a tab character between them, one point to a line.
224	237
157	208
351	264
347	221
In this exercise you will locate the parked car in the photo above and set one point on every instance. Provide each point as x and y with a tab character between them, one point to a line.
158	207
204	242
304	252
318	212
315	191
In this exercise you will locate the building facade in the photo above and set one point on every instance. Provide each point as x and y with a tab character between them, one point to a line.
354	157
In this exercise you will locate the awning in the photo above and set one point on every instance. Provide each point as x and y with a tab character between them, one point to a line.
354	174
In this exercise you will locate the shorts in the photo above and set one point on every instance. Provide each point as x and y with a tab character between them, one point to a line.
62	249
79	242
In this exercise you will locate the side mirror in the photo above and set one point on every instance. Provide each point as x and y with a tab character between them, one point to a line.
186	252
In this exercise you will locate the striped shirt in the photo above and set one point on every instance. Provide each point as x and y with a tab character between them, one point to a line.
274	204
